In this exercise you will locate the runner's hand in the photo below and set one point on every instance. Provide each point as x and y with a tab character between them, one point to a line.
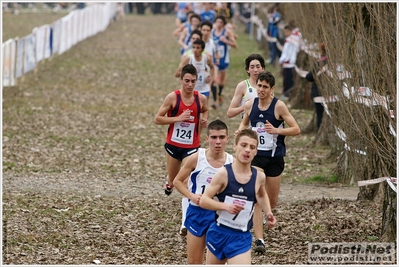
204	123
271	221
235	133
185	116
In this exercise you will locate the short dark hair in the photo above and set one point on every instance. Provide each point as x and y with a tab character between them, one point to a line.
246	132
254	57
207	23
190	69
222	17
195	15
196	31
200	42
268	77
217	125
288	27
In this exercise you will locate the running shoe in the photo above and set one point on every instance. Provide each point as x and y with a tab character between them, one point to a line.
183	231
259	247
168	189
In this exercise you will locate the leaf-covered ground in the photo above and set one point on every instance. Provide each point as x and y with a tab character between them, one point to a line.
69	228
84	167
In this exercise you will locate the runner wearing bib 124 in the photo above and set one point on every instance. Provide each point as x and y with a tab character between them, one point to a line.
185	134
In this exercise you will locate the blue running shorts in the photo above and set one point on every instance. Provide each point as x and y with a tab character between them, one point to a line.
198	220
227	243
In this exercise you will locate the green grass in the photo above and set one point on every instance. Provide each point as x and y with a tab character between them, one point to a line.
22	24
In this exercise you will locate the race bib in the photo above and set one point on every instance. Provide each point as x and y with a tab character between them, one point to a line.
220	51
183	133
237	221
202	184
265	140
201	78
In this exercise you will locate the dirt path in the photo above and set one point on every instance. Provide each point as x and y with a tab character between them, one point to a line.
129	187
294	192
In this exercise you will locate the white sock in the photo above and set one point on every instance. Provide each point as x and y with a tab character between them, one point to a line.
261	240
184	205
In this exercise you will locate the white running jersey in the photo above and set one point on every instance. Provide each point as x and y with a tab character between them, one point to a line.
202	176
202	73
210	48
250	93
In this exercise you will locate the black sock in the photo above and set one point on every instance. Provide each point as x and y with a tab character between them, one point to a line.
220	89
213	89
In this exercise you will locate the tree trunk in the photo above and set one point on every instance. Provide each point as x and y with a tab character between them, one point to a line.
300	93
388	232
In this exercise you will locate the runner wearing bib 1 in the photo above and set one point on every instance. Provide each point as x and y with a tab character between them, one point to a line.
198	219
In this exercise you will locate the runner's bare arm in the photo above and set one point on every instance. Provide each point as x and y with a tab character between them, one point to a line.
263	199
235	108
167	105
245	120
218	184
283	112
184	173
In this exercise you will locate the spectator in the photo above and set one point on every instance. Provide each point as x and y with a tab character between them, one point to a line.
140	8
130	7
81	5
245	15
156	8
288	57
169	8
318	69
272	31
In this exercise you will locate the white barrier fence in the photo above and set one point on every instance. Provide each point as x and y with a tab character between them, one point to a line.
20	55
